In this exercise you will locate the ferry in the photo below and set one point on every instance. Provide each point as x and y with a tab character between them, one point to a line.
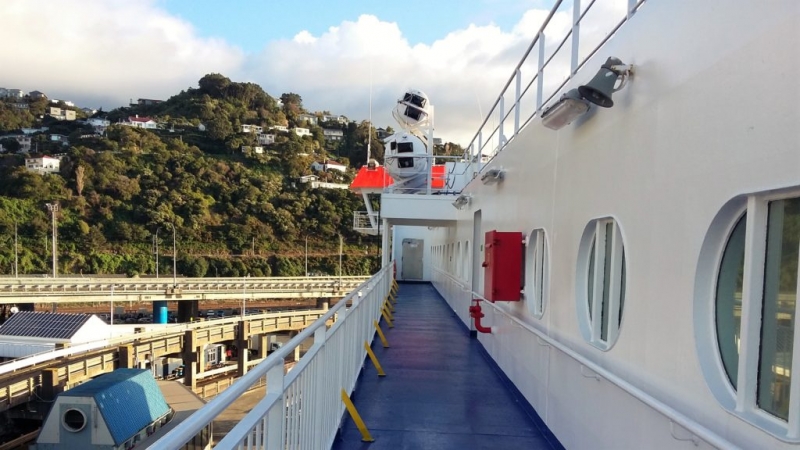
621	237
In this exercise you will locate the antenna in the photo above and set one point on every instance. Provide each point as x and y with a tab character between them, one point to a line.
369	131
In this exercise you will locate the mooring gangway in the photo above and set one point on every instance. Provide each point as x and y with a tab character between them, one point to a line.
74	289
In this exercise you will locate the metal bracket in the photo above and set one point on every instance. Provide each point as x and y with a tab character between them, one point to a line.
694	439
592	375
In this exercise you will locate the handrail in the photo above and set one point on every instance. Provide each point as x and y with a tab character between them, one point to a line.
483	141
674	415
195	423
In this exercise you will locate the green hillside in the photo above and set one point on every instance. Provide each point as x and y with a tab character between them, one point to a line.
235	211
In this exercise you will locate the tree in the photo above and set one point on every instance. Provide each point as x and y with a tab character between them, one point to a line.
214	84
79	174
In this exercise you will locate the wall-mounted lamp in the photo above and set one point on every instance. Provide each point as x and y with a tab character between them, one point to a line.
462	201
568	108
598	91
493	176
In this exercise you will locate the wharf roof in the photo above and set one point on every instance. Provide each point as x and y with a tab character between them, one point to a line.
44	325
128	399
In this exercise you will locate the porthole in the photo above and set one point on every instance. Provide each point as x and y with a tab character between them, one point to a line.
600	283
745	311
536	272
74	420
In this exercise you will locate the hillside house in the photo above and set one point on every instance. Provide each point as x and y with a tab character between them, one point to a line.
335	118
247	128
24	142
35	95
279	128
266	139
333	134
302	131
140	122
43	165
309	119
61	113
11	93
147	102
328	165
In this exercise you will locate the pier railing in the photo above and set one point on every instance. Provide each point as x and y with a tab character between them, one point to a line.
303	407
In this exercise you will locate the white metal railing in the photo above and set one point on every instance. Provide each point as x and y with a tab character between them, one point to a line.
302	407
503	122
363	220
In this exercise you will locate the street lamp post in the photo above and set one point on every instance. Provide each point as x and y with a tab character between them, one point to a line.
53	208
157	229
306	256
16	257
174	259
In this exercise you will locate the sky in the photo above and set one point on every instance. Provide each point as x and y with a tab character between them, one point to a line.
335	54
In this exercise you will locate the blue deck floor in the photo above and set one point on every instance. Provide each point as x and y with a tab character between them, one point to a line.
440	390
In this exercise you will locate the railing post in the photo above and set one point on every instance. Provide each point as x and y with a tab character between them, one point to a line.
518	77
501	137
539	77
276	414
576	36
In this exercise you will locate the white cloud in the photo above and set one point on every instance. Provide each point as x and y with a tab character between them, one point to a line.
103	53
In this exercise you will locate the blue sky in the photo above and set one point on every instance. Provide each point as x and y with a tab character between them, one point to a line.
102	53
250	24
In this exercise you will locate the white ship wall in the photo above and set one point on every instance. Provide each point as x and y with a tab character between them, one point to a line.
711	113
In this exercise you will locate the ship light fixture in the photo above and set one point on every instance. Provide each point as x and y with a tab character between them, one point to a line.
462	201
493	176
599	90
568	108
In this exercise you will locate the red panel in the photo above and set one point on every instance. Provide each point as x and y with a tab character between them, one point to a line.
367	178
503	266
438	176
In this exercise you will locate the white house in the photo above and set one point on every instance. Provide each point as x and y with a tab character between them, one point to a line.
247	128
334	118
302	131
278	128
140	122
11	93
308	118
98	122
266	139
43	165
328	165
332	134
61	113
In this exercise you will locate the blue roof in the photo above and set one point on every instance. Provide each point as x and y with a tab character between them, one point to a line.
128	399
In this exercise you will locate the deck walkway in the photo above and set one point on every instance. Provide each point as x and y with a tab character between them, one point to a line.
440	390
